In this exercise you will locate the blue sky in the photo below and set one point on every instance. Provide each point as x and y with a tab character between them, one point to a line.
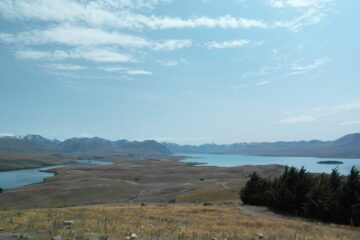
186	71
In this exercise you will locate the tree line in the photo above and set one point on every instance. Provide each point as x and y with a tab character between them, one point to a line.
327	197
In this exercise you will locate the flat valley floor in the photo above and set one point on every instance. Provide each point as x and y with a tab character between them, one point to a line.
127	181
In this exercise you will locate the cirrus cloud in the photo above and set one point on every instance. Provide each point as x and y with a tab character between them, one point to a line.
315	113
92	54
228	44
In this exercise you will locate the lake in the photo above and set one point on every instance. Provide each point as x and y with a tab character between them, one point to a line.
310	163
19	178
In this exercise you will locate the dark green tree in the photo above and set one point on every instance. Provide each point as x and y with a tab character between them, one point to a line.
289	194
350	198
328	197
335	184
254	191
318	200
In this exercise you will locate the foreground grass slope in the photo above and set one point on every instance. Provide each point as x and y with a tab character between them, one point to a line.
185	221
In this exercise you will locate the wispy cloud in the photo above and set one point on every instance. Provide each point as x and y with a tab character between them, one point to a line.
298	3
350	123
125	70
264	70
262	83
238	88
172	63
311	12
112	69
298	119
226	21
316	113
67	67
83	36
107	13
89	54
171	44
228	44
331	110
138	72
121	15
284	64
299	69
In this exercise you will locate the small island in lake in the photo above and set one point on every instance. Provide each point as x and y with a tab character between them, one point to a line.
330	162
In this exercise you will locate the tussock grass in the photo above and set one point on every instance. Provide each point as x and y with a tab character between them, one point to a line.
178	222
210	193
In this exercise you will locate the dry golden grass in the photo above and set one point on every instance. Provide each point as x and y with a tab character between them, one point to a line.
168	222
210	193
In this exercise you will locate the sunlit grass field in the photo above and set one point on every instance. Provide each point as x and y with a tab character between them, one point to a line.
168	221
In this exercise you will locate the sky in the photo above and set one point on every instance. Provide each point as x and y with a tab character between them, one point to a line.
184	71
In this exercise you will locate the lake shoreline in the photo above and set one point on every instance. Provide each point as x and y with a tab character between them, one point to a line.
27	168
309	163
279	156
52	170
182	156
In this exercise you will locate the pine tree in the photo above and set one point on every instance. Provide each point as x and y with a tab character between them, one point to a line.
318	202
332	198
350	199
335	186
254	191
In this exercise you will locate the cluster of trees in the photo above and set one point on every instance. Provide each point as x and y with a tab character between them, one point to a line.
327	197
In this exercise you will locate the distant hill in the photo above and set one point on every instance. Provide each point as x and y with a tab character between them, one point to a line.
39	144
41	140
100	145
345	147
23	144
85	145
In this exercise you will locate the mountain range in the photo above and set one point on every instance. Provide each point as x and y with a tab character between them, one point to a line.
38	144
345	147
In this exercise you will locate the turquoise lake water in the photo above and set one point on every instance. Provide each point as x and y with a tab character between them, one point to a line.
19	178
310	164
